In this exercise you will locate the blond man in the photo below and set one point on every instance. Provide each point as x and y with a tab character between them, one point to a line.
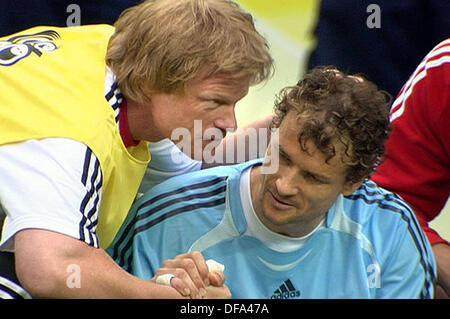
80	105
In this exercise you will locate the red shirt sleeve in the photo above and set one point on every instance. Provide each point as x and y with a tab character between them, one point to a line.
417	161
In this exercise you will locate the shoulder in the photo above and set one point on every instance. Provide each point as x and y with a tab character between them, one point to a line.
190	182
197	181
373	206
203	190
396	241
436	65
388	223
189	188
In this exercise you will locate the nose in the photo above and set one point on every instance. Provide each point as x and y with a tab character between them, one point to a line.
227	120
286	183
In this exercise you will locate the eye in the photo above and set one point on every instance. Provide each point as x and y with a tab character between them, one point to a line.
283	157
311	176
218	102
212	104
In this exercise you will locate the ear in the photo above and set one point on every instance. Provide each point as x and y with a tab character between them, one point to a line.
350	187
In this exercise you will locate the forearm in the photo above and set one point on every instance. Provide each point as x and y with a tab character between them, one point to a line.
101	277
68	268
442	255
252	137
246	143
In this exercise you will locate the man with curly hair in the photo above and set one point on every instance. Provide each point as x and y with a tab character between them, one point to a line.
314	228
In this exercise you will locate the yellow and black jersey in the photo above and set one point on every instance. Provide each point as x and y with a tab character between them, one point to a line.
52	85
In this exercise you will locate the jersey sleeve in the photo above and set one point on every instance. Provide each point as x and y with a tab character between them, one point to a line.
408	270
416	165
53	184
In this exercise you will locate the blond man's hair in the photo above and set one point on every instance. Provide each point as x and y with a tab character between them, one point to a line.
159	45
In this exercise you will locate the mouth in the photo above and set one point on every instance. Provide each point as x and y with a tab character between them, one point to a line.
278	203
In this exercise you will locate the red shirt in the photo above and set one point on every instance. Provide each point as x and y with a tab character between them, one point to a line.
417	162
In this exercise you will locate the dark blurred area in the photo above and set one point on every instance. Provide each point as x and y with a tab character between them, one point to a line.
17	15
408	30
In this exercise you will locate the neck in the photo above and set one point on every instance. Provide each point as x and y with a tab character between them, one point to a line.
140	122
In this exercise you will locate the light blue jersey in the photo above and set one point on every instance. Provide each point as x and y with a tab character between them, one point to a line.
369	246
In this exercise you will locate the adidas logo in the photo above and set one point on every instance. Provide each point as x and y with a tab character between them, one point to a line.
286	291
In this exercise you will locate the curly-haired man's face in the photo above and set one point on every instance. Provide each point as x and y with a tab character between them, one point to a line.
294	200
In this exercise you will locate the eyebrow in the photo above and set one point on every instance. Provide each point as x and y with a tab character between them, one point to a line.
319	176
218	94
212	95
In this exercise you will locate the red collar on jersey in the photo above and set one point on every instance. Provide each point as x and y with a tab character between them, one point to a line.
124	128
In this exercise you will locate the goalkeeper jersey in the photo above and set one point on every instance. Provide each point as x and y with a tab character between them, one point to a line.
369	245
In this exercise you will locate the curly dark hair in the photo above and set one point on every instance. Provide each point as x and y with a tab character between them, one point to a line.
336	106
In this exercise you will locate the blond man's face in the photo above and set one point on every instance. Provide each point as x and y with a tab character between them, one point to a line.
211	100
